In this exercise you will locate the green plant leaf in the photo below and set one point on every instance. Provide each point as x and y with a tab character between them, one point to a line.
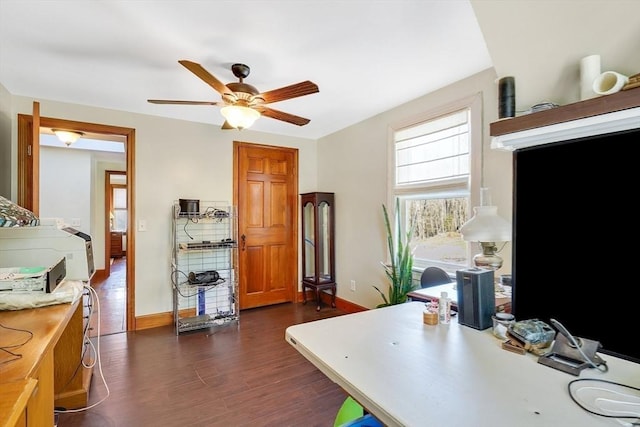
399	270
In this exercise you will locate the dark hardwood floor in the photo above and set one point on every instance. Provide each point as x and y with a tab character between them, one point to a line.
237	375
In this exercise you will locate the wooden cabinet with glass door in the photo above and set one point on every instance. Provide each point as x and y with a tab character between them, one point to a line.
318	253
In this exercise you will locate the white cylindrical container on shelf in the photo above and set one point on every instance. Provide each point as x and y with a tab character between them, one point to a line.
589	71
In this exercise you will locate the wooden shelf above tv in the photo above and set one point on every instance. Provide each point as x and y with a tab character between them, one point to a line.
578	110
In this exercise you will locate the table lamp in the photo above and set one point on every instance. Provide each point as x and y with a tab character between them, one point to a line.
486	227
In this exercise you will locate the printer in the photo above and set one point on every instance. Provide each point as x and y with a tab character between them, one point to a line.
45	245
33	279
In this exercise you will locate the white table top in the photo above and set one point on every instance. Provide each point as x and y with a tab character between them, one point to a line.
407	373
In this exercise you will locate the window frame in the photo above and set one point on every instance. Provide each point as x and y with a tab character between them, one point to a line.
451	188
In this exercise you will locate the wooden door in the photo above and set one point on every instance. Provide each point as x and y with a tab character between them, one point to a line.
266	196
29	160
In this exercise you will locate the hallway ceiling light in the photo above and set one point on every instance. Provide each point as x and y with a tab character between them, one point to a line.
67	136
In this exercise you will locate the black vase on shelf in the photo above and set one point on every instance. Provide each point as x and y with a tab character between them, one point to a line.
506	97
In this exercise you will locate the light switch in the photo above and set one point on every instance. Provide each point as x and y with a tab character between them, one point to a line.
142	225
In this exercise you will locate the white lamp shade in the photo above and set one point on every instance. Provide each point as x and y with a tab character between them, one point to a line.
486	226
240	117
67	136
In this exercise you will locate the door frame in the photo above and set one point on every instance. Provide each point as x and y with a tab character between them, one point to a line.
108	204
28	180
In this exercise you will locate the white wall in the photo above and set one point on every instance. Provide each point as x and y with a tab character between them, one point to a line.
178	159
353	164
65	186
174	159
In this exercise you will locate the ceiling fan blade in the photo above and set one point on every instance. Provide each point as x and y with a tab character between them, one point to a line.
170	101
199	71
285	117
288	92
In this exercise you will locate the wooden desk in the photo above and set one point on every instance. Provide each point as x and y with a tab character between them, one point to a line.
407	373
51	358
14	399
503	298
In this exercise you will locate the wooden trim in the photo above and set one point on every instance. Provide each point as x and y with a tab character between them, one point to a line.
35	159
26	184
348	306
107	223
108	206
153	320
325	297
341	304
130	150
591	107
166	319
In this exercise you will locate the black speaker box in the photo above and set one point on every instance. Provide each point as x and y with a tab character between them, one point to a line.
476	297
189	207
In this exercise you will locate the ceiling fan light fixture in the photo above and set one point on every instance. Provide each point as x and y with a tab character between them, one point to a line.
240	117
67	136
242	103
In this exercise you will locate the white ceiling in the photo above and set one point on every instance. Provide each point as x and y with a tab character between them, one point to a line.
366	56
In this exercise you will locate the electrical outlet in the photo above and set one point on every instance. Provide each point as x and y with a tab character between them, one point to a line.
353	286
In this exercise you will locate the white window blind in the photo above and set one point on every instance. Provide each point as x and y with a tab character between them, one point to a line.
434	169
436	151
120	198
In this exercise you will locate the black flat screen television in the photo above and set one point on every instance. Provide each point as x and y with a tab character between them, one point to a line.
575	229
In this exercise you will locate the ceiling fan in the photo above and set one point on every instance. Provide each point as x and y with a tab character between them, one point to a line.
242	104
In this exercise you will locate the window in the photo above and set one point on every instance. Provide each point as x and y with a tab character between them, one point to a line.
119	220
435	173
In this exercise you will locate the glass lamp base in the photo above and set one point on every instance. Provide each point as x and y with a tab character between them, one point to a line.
488	258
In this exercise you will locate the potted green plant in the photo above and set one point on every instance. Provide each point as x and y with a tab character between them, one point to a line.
400	266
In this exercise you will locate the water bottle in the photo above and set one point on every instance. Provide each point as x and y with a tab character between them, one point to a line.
444	308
